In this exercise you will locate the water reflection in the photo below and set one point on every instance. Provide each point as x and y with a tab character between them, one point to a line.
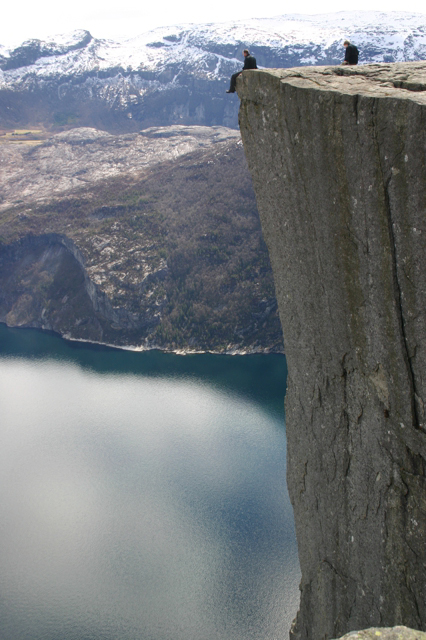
262	379
140	507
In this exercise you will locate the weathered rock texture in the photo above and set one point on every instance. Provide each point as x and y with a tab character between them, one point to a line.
337	157
395	633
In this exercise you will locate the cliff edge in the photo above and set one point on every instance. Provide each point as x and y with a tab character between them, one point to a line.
337	157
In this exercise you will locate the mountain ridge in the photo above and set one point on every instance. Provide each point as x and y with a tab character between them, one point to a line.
178	74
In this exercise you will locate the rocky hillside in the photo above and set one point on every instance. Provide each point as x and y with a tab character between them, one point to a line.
149	239
178	74
394	633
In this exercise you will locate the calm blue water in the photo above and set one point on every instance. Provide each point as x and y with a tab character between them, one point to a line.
142	495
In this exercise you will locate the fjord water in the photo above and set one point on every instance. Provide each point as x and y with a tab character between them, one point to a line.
142	495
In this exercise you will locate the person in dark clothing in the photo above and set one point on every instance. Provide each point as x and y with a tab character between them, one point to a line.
249	63
351	53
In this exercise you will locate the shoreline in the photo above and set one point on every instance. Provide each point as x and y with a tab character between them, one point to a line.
143	348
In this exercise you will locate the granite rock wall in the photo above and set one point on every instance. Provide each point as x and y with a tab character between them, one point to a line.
337	157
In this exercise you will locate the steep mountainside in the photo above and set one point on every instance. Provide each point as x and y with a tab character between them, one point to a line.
178	75
149	239
337	156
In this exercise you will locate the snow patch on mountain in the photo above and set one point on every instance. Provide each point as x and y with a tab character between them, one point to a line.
212	50
178	74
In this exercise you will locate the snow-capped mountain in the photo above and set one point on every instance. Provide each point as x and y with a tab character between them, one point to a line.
178	74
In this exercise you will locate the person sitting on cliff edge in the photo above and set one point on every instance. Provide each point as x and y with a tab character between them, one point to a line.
249	63
351	53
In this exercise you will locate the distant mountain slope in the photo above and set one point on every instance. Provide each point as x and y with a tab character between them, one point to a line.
178	74
147	240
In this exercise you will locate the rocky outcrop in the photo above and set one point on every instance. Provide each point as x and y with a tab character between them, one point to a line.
44	285
394	633
337	160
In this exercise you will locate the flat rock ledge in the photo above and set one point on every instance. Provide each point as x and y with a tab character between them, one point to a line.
395	633
397	80
337	158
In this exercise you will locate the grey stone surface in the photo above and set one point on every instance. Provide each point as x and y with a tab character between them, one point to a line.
337	157
394	633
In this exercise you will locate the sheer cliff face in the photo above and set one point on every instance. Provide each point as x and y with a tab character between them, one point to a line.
337	157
